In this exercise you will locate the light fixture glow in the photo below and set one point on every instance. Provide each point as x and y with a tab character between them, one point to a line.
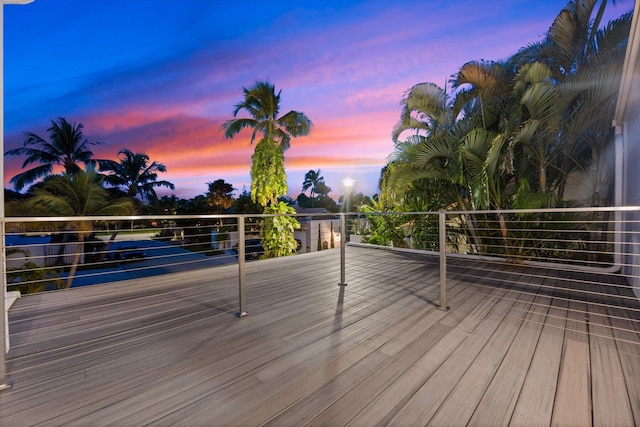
348	183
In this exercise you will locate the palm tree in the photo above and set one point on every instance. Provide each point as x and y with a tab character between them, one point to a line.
585	63
539	116
322	190
67	147
166	205
268	177
448	150
220	195
199	205
263	105
523	124
432	133
311	180
244	204
134	174
80	194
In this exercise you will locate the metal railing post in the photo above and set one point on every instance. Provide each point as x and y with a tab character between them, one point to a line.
241	276
443	260
343	248
4	337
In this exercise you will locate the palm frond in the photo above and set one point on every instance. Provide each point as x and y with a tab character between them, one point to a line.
295	123
25	178
234	126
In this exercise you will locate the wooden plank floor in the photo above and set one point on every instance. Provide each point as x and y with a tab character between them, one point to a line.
515	348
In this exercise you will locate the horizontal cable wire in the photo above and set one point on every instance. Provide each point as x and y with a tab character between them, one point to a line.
547	288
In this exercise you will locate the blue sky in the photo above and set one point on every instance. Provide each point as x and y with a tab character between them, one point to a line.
161	76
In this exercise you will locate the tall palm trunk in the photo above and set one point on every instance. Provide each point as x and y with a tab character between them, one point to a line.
76	261
112	239
543	178
62	249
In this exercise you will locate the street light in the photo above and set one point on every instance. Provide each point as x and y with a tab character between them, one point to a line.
4	321
348	186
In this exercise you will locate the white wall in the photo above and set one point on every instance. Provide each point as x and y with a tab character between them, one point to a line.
307	234
627	122
325	226
631	195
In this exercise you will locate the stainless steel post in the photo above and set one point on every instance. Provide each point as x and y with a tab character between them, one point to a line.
443	260
3	296
343	248
241	276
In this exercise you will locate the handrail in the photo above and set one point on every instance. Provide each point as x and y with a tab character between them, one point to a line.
116	218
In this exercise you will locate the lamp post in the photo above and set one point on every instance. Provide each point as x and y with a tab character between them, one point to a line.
4	317
348	185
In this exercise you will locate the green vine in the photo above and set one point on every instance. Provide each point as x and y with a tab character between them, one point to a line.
268	177
277	232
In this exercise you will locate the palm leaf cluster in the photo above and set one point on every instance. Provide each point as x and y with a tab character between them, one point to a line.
135	173
67	147
512	134
262	103
318	191
540	116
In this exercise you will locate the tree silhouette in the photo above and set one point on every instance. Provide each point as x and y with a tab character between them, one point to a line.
66	147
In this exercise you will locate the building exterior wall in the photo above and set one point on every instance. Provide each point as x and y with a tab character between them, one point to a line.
627	122
308	236
321	229
630	136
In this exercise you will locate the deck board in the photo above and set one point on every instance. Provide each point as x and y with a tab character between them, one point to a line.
422	403
609	385
624	326
169	350
536	398
462	401
573	393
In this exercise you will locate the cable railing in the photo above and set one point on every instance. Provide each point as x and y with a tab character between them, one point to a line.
583	261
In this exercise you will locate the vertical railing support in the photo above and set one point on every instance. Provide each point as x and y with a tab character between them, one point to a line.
241	276
343	248
4	337
443	260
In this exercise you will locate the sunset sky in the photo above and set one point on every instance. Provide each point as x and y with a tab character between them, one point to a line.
161	76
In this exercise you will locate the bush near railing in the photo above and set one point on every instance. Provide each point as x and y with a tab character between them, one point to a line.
578	237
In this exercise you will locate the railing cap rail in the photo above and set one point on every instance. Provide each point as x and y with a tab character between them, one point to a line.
316	215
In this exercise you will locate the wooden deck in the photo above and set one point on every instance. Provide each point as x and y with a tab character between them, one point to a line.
169	350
